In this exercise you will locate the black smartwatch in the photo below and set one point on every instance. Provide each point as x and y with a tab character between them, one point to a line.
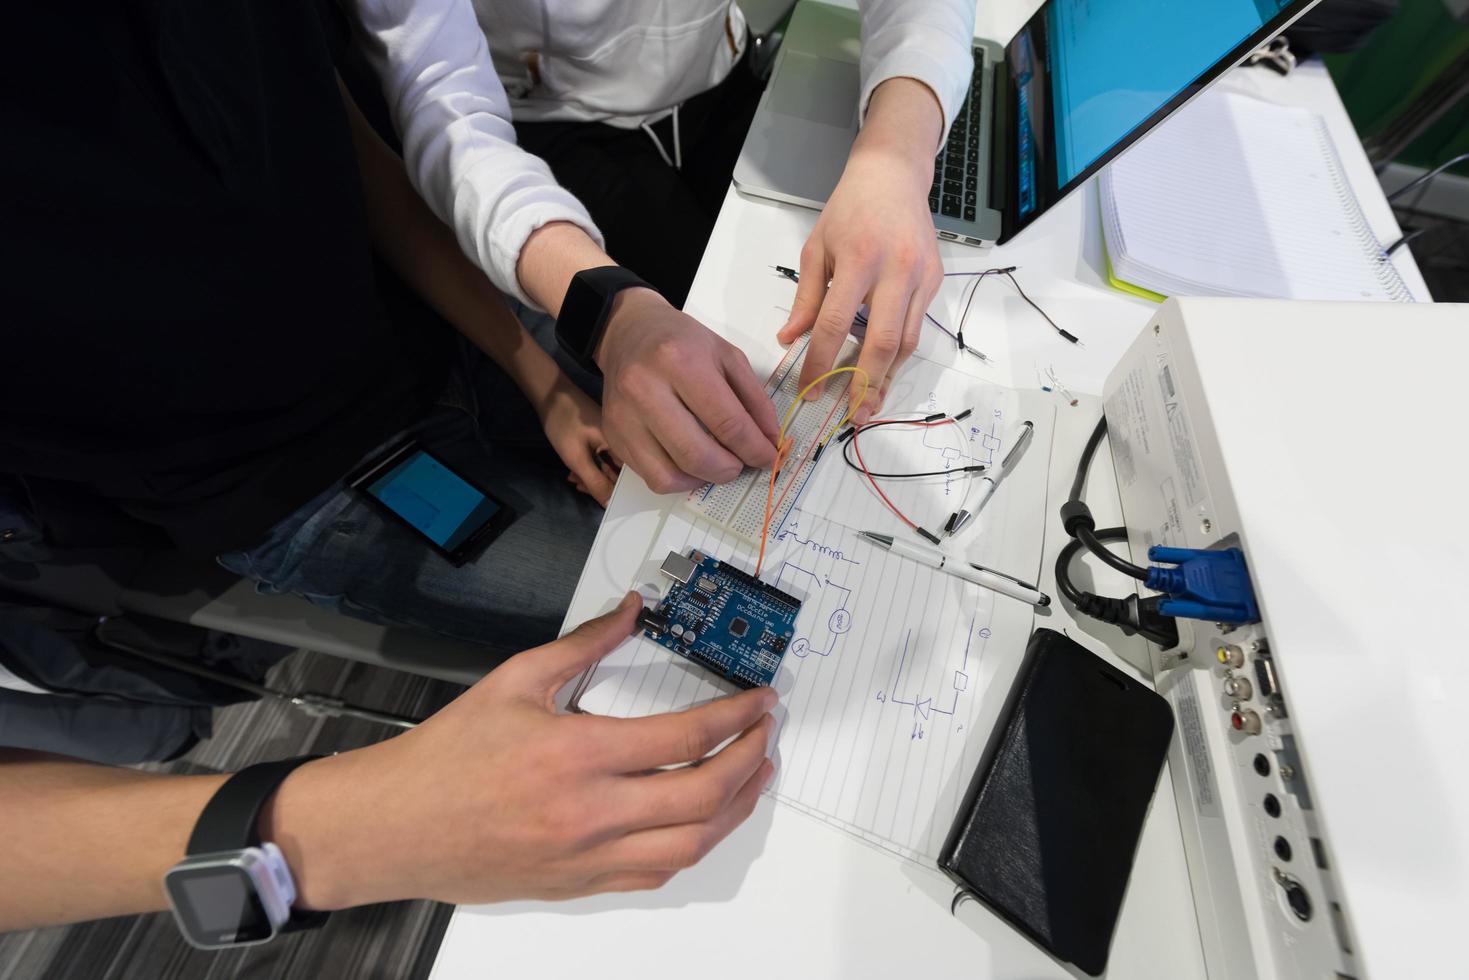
586	307
231	889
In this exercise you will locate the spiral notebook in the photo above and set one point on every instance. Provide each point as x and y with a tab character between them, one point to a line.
1239	197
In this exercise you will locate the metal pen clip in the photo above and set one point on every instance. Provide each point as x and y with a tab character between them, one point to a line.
1021	441
1011	578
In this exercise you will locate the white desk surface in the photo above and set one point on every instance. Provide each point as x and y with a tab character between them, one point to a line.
786	895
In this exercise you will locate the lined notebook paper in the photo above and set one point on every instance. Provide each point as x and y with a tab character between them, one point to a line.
897	671
1239	197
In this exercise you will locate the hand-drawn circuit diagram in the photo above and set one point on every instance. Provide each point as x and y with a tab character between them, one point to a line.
929	705
816	573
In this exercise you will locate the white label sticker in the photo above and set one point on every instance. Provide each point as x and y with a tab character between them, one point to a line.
1127	426
1180	434
1201	770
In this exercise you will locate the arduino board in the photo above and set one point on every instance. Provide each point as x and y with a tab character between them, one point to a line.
722	619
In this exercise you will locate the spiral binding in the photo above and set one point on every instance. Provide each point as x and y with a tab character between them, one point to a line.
1387	273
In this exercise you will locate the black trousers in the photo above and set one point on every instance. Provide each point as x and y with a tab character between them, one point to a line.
656	219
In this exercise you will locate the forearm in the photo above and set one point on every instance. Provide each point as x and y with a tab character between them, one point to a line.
458	141
421	249
85	841
904	120
926	41
552	255
874	242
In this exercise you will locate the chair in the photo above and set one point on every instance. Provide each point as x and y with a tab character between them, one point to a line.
200	593
766	20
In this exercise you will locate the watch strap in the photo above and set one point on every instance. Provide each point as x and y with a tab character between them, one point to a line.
230	818
586	308
228	821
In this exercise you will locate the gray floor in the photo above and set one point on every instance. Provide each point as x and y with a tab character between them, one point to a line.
380	942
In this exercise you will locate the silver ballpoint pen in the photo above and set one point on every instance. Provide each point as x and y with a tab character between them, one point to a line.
987	578
993	477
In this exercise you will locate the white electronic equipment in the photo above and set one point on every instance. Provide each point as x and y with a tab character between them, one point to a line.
1321	756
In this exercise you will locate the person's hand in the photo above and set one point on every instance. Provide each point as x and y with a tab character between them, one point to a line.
573	425
499	796
680	405
874	243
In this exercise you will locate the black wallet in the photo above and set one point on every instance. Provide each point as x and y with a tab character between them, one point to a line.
1049	827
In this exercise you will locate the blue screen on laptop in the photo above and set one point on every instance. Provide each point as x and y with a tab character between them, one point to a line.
1112	64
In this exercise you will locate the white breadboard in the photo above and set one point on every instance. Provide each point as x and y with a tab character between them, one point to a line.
739	506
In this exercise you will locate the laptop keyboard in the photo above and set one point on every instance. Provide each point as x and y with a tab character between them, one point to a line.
956	169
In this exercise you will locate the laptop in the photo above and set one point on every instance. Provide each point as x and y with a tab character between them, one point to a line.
1082	81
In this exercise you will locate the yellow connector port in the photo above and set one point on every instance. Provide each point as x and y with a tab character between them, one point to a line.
1230	655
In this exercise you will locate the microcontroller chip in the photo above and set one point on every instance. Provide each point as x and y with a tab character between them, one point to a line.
723	619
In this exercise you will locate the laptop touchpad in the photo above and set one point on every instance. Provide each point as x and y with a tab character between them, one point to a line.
817	89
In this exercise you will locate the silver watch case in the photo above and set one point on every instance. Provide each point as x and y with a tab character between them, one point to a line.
261	874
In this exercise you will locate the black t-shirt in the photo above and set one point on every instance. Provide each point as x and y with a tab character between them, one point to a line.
190	328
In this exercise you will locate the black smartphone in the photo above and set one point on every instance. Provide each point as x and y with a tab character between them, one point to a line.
416	488
1049	827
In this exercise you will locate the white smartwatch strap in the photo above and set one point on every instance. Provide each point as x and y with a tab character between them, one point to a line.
279	876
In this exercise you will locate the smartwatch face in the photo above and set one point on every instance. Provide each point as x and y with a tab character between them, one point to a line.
218	906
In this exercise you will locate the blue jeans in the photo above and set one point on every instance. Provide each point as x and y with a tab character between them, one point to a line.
340	552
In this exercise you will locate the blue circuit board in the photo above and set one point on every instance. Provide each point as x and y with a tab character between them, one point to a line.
722	619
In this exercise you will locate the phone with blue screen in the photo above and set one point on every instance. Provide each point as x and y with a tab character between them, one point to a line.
416	488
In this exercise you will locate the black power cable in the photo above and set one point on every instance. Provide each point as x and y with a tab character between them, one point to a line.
1093	542
1404	239
1426	178
1079	598
1078	482
1130	614
1076	517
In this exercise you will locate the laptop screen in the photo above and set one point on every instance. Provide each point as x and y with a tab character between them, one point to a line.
1091	76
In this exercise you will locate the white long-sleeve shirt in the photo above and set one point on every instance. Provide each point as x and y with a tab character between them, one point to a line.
622	62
